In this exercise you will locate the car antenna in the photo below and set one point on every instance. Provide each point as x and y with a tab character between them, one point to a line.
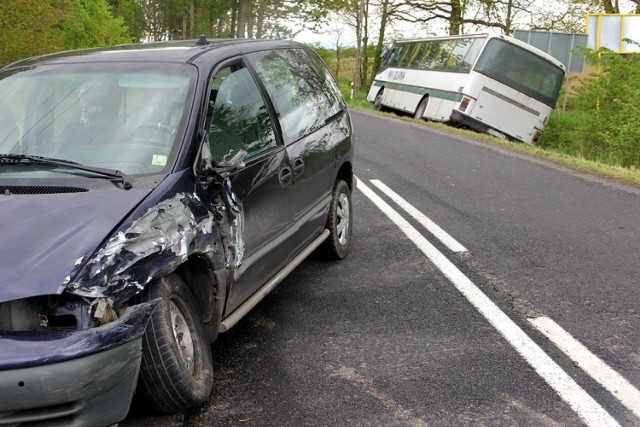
202	41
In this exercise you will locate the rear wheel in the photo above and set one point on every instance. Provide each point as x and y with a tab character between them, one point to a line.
339	223
422	107
377	102
176	371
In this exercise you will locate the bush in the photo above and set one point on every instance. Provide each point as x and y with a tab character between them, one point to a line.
602	123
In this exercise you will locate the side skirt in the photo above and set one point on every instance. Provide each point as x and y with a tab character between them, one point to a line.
241	311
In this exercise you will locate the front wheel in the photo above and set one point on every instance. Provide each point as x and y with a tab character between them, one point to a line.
339	223
176	371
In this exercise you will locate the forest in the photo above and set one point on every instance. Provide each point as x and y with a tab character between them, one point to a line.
39	26
609	134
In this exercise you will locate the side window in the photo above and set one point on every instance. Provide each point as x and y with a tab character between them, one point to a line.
240	119
394	57
471	55
302	89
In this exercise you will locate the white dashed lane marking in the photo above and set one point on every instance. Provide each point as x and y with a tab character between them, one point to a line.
579	400
612	381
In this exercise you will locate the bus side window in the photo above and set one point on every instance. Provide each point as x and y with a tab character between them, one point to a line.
440	62
394	57
471	54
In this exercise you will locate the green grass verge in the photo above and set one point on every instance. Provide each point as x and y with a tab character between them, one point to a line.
626	175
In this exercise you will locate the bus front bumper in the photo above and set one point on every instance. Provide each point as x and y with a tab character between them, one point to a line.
462	119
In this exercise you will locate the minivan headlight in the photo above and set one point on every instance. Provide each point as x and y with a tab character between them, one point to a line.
46	312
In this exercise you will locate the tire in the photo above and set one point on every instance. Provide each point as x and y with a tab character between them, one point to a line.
176	371
377	102
339	223
422	107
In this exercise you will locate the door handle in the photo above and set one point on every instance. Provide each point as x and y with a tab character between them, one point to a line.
298	166
285	175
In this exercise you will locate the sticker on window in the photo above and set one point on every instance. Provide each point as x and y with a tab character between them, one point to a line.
159	160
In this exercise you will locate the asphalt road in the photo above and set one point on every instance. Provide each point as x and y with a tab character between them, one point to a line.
408	333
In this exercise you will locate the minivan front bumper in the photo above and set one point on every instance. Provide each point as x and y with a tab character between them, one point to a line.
81	378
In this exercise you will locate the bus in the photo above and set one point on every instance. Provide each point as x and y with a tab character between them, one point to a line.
490	83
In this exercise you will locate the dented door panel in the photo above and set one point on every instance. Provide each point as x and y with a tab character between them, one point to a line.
268	217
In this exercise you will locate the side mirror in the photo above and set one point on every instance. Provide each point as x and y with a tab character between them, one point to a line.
230	163
203	167
206	171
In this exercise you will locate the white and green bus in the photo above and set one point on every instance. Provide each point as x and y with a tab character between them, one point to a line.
489	83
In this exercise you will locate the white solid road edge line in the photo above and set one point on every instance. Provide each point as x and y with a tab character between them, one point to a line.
431	226
619	387
580	401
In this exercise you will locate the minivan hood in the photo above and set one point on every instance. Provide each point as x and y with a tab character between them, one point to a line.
44	236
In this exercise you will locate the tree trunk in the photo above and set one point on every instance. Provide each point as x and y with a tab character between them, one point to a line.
234	19
192	17
610	6
337	56
365	42
455	23
508	20
242	18
360	14
250	19
114	7
184	26
260	22
380	45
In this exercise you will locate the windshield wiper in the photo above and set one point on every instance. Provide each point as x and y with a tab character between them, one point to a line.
23	159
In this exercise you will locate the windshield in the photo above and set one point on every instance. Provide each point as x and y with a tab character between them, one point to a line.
522	70
126	117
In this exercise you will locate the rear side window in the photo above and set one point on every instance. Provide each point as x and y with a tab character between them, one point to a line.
302	89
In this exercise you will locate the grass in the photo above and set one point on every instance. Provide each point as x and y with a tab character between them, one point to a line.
618	173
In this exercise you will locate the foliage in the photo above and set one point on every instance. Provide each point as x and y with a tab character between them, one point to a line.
41	26
132	14
602	122
89	23
29	28
187	19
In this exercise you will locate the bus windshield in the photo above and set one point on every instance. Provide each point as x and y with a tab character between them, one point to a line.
522	70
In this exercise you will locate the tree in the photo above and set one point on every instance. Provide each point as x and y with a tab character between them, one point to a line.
41	26
451	11
29	28
132	14
89	23
609	6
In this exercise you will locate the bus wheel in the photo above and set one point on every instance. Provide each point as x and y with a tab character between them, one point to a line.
422	107
377	102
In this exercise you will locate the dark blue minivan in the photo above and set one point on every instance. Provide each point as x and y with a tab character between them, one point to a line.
150	196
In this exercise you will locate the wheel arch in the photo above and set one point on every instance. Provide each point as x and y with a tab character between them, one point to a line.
425	99
379	93
206	278
345	173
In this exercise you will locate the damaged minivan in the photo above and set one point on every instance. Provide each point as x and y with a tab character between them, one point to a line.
150	196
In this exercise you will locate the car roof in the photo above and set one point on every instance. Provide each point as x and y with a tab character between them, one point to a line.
183	51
